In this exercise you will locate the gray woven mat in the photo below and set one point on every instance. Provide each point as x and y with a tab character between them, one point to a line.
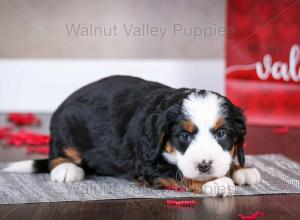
279	176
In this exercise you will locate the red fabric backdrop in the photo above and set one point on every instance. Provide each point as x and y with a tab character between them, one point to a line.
262	60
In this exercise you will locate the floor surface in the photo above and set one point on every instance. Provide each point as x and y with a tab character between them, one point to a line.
260	140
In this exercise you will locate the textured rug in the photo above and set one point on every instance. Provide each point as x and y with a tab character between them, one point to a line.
279	176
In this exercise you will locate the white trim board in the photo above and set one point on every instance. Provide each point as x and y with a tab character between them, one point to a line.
40	85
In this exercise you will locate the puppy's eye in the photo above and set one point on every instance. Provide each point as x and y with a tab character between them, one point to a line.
185	137
220	134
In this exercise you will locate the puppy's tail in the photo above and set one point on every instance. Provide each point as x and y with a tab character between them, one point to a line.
28	166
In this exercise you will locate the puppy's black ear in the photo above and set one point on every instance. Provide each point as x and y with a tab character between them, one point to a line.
154	135
240	152
240	133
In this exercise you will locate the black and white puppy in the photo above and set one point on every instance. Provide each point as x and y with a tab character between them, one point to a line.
135	129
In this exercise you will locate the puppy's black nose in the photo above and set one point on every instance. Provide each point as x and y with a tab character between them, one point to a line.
204	166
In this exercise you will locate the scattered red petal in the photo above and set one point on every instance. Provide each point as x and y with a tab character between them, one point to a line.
253	216
34	142
27	138
180	203
281	130
20	119
4	132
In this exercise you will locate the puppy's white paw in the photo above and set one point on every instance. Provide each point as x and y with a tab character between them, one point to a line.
246	176
66	173
222	186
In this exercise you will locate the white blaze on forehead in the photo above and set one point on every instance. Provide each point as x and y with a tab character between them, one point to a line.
204	111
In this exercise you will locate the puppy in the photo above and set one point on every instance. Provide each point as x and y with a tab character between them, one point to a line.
135	129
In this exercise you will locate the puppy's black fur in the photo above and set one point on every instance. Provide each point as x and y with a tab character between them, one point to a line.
119	125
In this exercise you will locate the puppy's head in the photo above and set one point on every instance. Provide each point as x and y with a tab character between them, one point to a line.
203	135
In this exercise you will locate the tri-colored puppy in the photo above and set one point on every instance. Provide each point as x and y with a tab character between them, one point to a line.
135	129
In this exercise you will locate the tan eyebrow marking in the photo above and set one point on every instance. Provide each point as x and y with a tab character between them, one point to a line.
188	126
219	123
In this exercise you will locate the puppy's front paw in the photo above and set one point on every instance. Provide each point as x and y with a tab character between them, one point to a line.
66	173
246	176
222	186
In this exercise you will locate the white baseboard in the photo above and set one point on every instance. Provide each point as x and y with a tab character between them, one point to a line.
41	85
